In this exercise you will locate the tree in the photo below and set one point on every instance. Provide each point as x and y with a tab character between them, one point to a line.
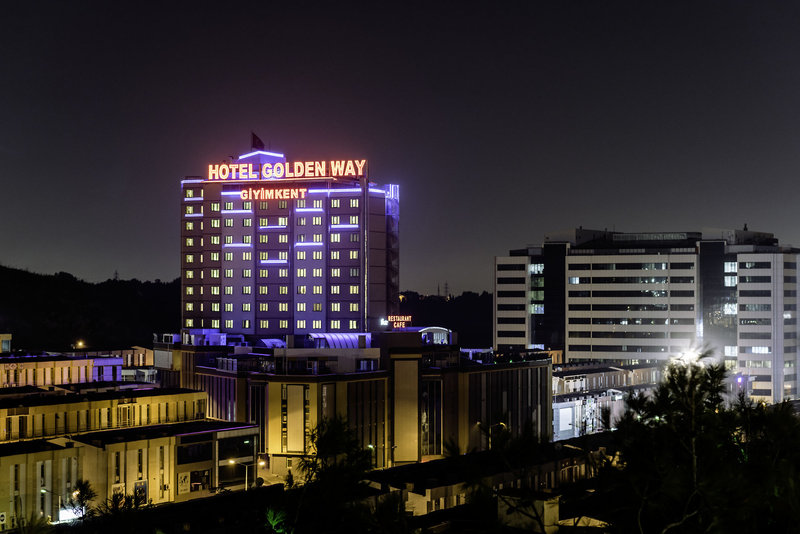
81	498
690	462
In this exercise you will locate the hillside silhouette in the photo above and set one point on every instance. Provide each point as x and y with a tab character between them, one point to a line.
52	312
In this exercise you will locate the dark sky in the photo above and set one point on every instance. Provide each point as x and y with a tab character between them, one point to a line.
501	121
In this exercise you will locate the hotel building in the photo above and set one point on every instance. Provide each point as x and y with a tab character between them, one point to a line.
272	248
636	297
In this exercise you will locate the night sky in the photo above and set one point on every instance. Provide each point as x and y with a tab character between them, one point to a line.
500	121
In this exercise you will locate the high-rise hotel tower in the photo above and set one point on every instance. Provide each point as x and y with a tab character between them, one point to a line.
272	248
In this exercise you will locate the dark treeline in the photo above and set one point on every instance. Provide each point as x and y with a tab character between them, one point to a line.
52	312
469	314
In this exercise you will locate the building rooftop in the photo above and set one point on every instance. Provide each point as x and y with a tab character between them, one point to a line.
27	447
122	435
41	397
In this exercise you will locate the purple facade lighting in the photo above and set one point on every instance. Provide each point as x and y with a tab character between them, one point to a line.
247	245
192	181
267	262
262	153
236	211
273	227
231	193
309	210
193	215
193	199
309	244
344	226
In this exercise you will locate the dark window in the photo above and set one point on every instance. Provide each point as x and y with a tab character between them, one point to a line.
681	279
507	280
511	267
755	279
681	265
510	307
195	452
754	265
510	333
681	293
579	266
509	294
755	322
755	293
510	320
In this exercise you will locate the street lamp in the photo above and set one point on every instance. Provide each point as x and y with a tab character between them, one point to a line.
246	467
44	491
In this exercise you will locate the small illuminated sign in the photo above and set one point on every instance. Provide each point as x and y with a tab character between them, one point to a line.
290	169
264	193
399	321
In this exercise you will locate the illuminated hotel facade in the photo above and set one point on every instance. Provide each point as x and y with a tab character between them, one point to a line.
272	249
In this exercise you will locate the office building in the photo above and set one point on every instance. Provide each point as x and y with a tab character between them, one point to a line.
636	297
272	249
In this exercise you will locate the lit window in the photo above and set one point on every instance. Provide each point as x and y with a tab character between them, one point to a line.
354	290
353	271
247	222
317	307
316	324
283	255
247	256
247	239
317	273
229	256
317	290
282	205
189	209
189	241
335	273
353	202
247	273
301	221
214	323
189	306
317	238
263	238
263	323
229	306
317	254
301	254
189	290
336	306
283	290
263	306
283	221
353	254
189	323
215	290
336	238
228	273
189	193
354	238
318	203
283	322
334	202
334	290
228	223
335	324
335	219
353	324
334	254
301	238
214	223
215	306
301	273
246	323
316	221
262	221
301	290
247	205
189	274
283	273
229	290
263	290
247	290
301	306
354	306
301	203
189	258
215	256
283	238
263	256
228	239
214	273
301	324
354	219
245	306
189	225
283	306
215	240
263	273
263	205
215	206
229	205
730	281
228	323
